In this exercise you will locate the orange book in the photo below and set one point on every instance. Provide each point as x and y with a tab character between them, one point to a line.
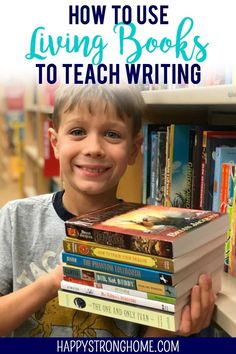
224	191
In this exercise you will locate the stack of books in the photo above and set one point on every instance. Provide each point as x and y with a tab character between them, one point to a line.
139	262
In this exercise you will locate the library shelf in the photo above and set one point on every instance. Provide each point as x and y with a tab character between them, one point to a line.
225	312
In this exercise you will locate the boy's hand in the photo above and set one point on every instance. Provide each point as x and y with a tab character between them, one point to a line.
197	315
52	281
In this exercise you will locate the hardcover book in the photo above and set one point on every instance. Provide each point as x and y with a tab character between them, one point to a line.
151	229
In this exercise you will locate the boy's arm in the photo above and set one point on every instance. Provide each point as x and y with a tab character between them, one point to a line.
195	316
16	307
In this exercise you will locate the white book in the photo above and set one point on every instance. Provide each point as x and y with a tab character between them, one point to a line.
115	296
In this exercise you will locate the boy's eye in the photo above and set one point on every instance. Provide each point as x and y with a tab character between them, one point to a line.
112	134
78	132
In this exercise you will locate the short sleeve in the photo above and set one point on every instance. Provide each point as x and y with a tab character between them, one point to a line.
6	277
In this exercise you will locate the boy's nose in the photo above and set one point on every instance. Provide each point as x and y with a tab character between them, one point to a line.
94	146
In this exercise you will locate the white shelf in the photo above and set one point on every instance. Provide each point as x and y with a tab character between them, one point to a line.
225	314
220	94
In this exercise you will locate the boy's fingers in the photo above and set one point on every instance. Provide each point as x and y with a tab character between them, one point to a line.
196	307
207	298
186	322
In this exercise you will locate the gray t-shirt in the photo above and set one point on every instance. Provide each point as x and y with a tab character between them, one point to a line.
31	234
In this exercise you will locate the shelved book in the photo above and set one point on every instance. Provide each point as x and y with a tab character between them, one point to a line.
150	229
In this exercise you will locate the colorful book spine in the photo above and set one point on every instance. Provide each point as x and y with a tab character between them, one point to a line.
180	162
161	166
153	172
126	291
119	268
203	170
118	281
224	188
112	295
223	154
153	318
232	242
118	255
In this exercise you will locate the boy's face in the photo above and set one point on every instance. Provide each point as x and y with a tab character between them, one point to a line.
94	149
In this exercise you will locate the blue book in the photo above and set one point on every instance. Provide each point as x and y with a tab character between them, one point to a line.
148	128
120	269
153	172
180	166
223	154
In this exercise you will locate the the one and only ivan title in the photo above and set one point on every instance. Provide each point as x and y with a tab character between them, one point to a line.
186	46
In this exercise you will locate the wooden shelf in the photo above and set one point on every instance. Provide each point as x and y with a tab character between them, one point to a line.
209	95
30	191
225	314
32	152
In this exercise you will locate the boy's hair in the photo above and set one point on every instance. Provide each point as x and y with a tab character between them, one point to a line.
126	99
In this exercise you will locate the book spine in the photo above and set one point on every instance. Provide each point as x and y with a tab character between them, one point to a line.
117	289
161	166
217	173
112	295
123	282
118	268
114	239
145	163
168	170
104	252
203	170
153	167
130	313
224	187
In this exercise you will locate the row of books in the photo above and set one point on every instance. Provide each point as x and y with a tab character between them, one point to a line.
139	262
184	166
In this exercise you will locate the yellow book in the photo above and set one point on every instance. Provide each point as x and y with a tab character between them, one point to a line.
158	319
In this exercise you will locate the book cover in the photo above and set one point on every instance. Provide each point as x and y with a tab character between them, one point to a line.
163	231
132	313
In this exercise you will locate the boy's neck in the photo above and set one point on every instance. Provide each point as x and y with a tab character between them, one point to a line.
82	204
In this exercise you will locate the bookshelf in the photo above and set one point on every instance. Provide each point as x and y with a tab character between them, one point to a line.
214	105
3	149
225	313
37	114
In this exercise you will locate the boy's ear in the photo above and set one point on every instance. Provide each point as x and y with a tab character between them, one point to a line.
54	141
136	146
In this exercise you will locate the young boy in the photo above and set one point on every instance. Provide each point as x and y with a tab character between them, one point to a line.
95	135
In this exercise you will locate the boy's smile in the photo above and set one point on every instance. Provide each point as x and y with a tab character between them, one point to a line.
94	150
